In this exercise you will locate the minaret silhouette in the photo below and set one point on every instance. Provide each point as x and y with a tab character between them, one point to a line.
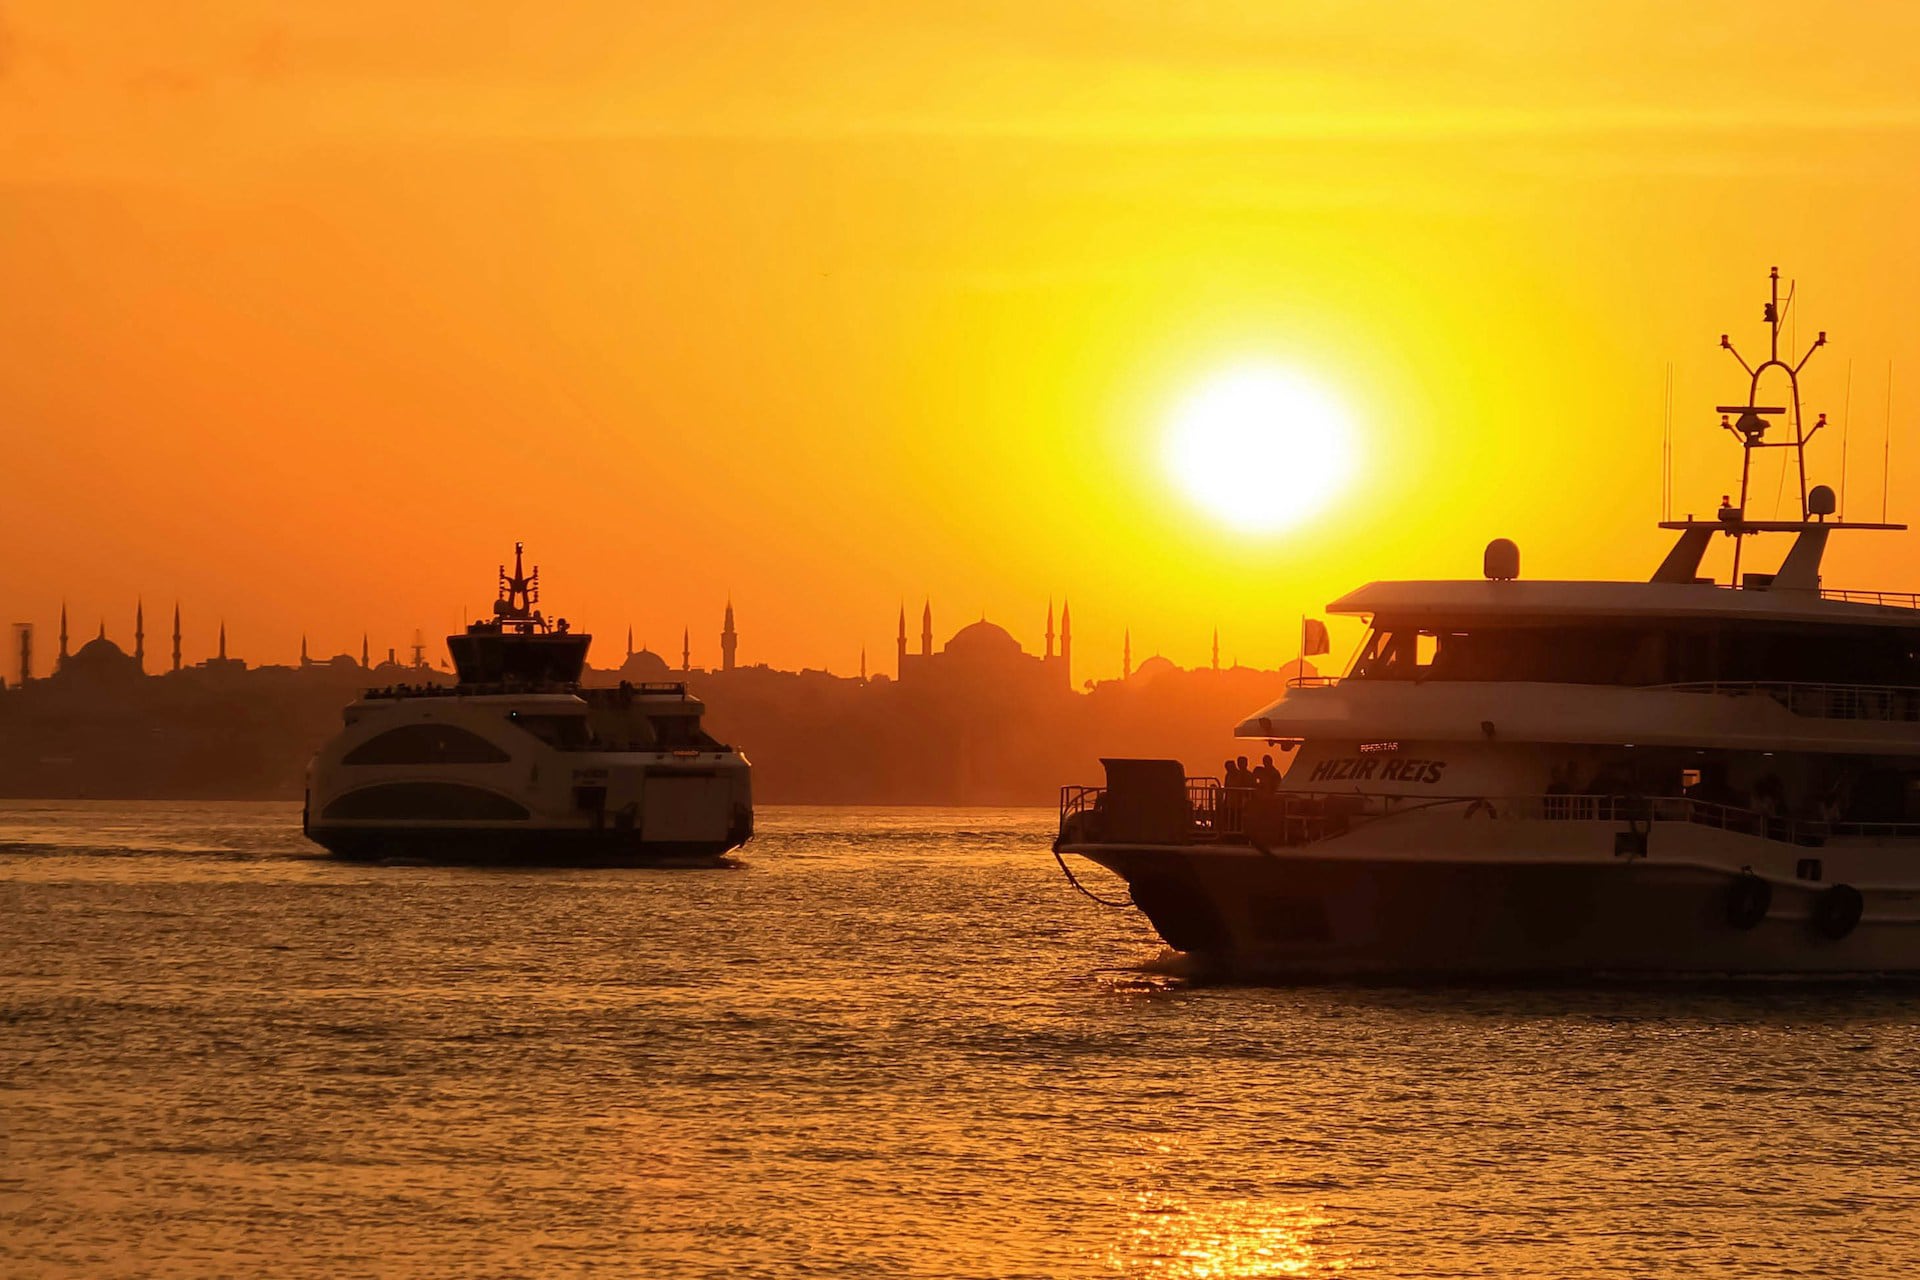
305	661
863	664
901	665
629	639
140	635
223	639
1126	653
1049	626
63	631
1066	641
1216	648
729	639
686	649
364	655
926	629
176	635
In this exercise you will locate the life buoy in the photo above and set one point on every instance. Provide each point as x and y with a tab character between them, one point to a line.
1748	900
1482	806
1837	911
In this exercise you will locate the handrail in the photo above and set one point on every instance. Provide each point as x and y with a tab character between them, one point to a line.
1813	700
1818	701
1301	817
1886	599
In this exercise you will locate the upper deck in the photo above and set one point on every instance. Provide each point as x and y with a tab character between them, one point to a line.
1469	600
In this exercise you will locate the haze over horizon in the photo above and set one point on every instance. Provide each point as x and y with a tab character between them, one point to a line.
311	312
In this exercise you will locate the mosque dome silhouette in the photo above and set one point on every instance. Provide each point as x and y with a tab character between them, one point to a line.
100	658
983	639
99	649
644	666
1153	668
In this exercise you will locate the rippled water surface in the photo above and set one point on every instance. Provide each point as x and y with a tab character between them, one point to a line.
889	1043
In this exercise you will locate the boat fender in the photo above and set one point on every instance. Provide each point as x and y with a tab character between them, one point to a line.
1837	911
1748	900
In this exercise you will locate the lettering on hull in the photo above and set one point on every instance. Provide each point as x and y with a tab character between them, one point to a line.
1372	768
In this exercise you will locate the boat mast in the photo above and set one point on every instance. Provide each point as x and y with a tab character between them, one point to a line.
1750	428
519	592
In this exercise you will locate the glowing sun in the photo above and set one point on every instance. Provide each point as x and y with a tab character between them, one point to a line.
1260	448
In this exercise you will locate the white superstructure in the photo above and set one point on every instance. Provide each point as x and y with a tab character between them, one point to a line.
1678	776
518	763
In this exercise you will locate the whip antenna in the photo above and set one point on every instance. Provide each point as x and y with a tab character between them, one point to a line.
1666	452
1886	452
1846	416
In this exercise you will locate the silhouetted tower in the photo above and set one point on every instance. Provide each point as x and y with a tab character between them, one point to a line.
926	630
140	635
1216	648
1126	653
629	639
23	642
63	631
1049	627
305	661
176	635
901	665
863	664
365	663
223	639
729	640
420	649
1066	640
686	649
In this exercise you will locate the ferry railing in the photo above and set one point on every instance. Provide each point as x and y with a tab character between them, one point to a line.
1899	703
1889	599
1291	818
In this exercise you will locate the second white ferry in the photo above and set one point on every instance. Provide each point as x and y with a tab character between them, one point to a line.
517	762
1680	776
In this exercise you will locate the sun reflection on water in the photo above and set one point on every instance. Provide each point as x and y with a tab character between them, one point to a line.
1174	1238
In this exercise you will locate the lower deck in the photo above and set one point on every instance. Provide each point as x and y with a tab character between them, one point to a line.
1294	883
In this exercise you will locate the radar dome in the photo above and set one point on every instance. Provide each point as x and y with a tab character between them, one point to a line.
1820	501
1502	561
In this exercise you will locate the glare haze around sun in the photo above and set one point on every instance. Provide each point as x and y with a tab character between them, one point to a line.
1260	448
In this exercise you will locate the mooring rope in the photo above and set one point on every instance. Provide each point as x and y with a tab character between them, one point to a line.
1075	882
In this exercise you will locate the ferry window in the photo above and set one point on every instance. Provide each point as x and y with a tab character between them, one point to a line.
444	801
426	744
1385	656
567	733
680	733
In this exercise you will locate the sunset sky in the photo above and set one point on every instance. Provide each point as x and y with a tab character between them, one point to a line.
310	310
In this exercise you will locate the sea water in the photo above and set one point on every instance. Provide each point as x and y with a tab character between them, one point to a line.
886	1043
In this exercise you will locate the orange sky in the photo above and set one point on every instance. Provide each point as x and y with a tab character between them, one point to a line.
309	310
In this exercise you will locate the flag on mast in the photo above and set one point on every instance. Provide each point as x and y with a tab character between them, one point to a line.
1313	638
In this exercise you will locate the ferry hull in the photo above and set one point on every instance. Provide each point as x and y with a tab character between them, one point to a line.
521	846
1239	911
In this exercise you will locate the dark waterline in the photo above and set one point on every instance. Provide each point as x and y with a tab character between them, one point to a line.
894	1042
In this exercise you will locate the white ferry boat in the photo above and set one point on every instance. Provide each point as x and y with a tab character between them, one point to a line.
516	762
1579	779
